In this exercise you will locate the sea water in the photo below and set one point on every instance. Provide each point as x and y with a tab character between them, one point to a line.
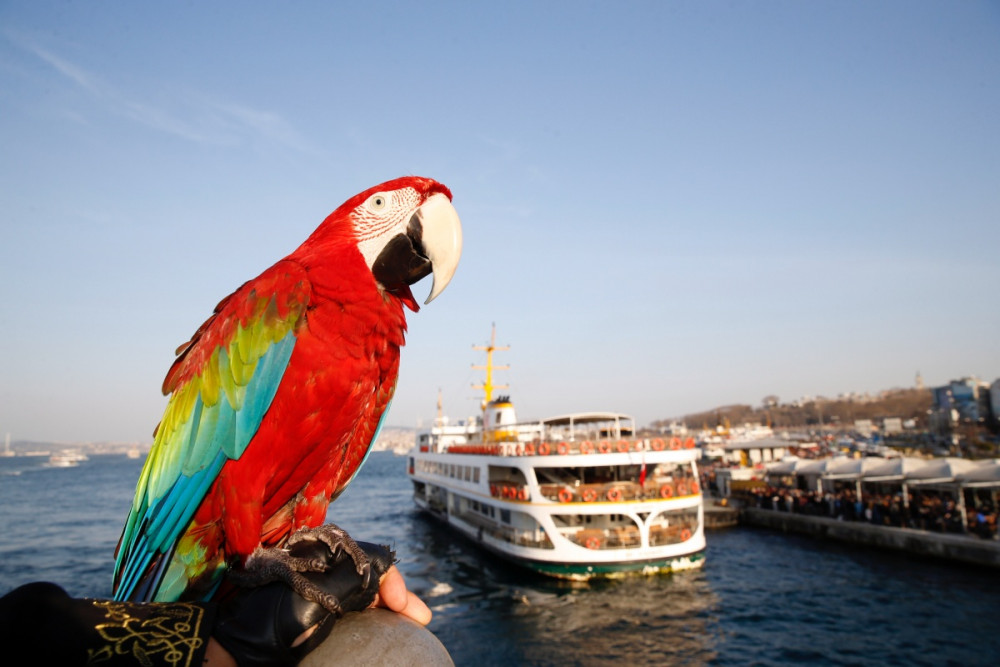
762	598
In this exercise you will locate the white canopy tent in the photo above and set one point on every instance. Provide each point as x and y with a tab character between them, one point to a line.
814	470
895	469
787	466
985	474
940	471
850	469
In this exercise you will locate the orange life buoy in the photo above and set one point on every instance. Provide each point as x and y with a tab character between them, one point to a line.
623	446
493	490
640	445
565	495
682	488
589	495
675	443
522	493
544	449
593	543
604	447
562	448
614	495
694	487
689	443
666	491
586	447
685	535
529	449
658	444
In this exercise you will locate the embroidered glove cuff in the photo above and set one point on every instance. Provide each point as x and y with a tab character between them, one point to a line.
41	625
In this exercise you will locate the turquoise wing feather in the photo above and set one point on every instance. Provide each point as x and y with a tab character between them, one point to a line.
221	386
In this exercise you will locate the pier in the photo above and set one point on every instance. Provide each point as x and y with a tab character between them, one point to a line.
960	548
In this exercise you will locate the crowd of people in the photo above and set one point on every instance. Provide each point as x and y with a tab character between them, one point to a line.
929	509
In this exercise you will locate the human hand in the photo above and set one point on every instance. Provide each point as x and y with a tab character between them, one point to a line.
272	625
393	595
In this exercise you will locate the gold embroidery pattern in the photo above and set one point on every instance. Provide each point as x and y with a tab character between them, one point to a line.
171	636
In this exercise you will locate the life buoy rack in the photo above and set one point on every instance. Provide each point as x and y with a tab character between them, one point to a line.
604	447
615	495
685	535
666	491
592	543
565	495
586	447
562	448
658	444
529	449
622	446
544	449
588	495
675	443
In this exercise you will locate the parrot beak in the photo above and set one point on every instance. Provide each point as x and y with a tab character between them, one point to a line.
432	243
442	240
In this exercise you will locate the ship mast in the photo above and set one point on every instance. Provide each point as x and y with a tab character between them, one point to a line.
488	385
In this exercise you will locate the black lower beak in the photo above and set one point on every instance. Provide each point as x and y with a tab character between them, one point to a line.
402	262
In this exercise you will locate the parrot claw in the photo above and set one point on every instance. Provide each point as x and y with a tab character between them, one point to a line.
336	539
268	564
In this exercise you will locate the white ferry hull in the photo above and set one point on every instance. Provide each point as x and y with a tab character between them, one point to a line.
574	570
566	530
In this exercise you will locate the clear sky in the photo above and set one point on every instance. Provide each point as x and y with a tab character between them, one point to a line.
668	206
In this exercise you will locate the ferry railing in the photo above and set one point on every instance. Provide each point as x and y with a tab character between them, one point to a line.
653	489
625	537
537	538
567	447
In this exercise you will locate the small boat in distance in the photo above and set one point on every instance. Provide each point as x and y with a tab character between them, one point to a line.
67	458
575	496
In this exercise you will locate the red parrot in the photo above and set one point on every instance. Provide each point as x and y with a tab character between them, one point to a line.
278	396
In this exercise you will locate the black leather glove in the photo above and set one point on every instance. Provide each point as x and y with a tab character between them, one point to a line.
258	626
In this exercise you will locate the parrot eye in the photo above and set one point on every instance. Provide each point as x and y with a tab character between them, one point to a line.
377	202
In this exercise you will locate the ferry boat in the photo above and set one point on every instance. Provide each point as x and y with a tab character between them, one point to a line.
576	496
67	458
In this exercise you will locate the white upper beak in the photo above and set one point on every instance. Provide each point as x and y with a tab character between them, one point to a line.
442	240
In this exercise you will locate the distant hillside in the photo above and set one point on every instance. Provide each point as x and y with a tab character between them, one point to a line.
903	403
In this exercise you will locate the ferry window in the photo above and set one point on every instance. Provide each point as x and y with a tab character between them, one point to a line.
505	516
468	473
475	475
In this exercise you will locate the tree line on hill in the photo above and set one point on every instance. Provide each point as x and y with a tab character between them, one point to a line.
903	403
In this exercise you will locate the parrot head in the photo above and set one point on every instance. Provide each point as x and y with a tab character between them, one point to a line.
405	229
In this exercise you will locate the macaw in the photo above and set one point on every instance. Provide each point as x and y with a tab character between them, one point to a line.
276	400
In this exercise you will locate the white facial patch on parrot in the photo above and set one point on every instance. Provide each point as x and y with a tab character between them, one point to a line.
382	216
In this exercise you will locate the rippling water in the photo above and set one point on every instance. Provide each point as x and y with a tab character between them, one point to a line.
762	598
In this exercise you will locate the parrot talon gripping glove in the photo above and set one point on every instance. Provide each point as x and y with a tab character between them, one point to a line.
259	626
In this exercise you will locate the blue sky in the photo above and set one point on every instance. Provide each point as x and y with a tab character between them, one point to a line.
668	206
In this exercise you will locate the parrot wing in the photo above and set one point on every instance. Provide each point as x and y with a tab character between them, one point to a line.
220	386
